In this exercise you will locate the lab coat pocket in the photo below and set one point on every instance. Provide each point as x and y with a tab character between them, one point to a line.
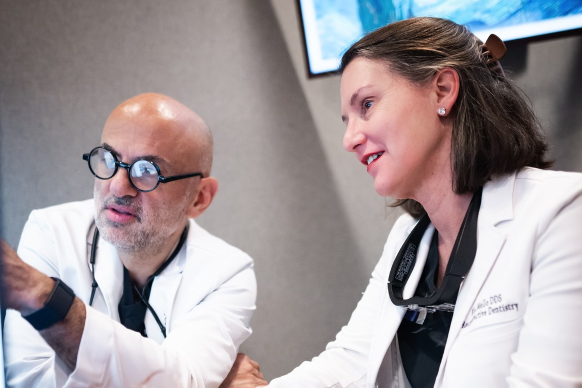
481	357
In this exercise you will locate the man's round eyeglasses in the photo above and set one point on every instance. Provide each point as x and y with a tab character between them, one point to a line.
143	174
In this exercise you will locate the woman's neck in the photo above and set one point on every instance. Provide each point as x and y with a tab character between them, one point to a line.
446	211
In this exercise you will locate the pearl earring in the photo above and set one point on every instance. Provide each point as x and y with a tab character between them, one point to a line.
442	111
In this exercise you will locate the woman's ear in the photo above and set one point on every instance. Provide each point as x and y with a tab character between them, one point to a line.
206	191
446	87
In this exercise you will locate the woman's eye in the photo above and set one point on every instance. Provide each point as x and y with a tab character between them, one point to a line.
367	105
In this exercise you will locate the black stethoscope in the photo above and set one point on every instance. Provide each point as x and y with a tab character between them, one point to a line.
461	260
149	281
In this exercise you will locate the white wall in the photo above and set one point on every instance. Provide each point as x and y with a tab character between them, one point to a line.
289	195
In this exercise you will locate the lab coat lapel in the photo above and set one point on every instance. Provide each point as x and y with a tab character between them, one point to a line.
387	325
164	289
496	206
390	315
109	277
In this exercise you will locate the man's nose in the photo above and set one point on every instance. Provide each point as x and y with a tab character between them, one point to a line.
120	186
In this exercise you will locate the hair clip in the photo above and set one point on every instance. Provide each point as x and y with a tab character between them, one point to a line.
494	49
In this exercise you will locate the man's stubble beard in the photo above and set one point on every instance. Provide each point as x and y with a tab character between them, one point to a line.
149	232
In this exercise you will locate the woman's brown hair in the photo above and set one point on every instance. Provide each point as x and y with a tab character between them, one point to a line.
494	128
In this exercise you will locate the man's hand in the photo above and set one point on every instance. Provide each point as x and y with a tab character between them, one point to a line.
24	288
245	373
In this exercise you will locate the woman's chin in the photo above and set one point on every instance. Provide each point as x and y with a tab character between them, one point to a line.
383	189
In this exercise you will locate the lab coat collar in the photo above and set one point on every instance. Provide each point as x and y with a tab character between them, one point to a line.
109	277
391	316
496	207
164	289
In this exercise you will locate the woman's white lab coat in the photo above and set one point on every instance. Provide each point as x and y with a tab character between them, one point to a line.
518	315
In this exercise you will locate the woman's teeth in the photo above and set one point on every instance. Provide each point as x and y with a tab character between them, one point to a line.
373	157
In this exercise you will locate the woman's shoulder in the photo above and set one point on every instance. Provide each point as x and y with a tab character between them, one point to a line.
533	182
548	184
536	174
530	193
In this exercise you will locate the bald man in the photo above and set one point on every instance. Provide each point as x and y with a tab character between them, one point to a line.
126	288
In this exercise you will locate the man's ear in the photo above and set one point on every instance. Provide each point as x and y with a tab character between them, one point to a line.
206	191
446	86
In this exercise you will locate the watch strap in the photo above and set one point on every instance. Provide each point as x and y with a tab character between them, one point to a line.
57	306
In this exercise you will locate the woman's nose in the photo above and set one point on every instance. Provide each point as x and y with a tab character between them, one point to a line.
353	137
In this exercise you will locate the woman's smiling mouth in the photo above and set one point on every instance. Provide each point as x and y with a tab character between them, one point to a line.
373	157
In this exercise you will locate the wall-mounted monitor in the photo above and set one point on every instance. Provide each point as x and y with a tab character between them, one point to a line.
331	26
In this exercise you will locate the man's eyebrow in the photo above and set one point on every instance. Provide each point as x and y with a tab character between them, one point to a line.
152	158
111	149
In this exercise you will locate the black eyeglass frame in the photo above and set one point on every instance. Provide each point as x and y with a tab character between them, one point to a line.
127	167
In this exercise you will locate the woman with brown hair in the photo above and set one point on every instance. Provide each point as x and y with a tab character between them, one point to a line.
479	284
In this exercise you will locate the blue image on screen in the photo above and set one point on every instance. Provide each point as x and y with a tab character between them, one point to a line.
340	24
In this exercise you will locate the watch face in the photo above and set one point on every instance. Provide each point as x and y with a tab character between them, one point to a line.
56	307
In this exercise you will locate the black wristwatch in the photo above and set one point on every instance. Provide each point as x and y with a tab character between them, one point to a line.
56	307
